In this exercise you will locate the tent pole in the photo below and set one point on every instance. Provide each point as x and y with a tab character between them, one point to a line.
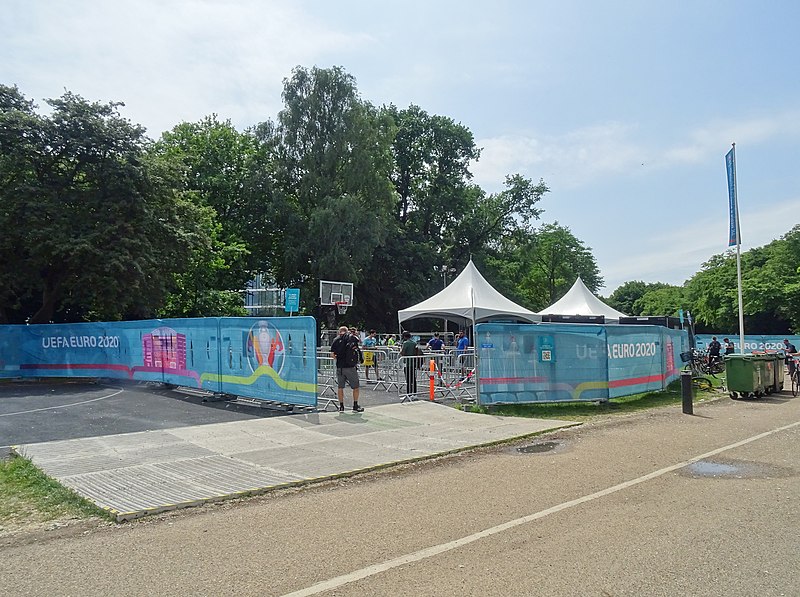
475	350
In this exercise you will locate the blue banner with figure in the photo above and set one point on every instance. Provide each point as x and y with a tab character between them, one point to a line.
273	358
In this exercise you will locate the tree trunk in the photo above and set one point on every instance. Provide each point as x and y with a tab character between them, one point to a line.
49	299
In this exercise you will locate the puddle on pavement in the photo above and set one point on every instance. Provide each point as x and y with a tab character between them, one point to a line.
714	469
735	469
538	448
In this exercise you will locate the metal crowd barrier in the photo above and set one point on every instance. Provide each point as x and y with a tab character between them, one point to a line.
454	374
326	382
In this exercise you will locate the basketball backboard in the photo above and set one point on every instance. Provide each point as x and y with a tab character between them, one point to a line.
331	293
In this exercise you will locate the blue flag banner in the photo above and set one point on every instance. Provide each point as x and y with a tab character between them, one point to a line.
730	163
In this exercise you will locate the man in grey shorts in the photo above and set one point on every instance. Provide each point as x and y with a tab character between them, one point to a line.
345	351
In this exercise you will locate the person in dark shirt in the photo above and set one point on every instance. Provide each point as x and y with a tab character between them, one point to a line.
346	353
729	348
409	349
789	349
436	343
713	350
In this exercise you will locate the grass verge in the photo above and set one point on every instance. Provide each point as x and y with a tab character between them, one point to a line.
28	496
583	411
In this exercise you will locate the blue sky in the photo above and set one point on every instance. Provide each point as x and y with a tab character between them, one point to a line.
625	109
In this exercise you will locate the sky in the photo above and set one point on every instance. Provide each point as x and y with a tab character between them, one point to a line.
625	109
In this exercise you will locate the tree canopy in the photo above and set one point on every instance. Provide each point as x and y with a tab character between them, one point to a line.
101	222
90	229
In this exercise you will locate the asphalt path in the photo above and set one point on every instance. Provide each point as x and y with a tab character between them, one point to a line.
33	412
656	503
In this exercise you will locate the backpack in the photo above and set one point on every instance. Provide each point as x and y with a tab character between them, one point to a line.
348	354
355	355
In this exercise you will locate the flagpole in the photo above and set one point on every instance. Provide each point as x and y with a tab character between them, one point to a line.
475	349
735	235
741	312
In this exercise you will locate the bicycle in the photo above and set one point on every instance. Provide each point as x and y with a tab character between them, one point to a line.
795	376
698	363
702	383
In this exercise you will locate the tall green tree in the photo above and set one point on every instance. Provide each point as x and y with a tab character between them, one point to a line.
555	258
626	298
769	289
325	178
430	174
89	231
213	162
660	299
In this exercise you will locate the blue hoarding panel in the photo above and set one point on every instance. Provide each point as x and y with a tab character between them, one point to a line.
548	362
268	359
752	342
558	362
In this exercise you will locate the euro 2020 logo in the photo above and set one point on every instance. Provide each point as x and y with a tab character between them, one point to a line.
265	347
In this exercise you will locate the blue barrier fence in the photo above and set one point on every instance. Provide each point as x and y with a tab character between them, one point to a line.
556	362
753	342
267	359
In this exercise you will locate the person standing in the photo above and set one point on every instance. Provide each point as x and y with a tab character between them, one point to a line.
463	342
729	348
713	350
461	348
409	350
436	343
344	349
789	349
371	356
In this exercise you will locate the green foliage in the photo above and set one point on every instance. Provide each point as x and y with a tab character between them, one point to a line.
100	223
549	260
640	298
329	179
212	163
89	230
662	300
770	288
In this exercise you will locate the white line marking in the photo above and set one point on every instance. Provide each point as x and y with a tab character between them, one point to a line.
36	410
434	550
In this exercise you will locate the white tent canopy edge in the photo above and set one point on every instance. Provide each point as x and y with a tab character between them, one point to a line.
579	300
469	297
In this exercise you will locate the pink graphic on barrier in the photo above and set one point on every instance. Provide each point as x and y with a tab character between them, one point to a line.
670	358
164	348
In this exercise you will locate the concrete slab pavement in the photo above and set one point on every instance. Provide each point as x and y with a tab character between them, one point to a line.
135	474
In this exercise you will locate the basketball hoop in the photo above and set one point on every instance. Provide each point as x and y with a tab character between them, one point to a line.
341	307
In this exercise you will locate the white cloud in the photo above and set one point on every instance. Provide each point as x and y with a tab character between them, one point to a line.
196	57
705	142
569	160
679	251
581	157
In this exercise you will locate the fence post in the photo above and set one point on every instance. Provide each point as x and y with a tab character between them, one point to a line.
432	381
686	392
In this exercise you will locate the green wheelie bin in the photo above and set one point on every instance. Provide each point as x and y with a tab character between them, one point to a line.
744	374
766	365
778	372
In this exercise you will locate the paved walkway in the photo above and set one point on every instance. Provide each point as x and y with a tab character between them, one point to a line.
134	474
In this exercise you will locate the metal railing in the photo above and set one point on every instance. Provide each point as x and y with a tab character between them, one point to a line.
408	376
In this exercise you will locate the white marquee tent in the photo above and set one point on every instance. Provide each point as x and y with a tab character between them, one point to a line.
579	300
469	297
